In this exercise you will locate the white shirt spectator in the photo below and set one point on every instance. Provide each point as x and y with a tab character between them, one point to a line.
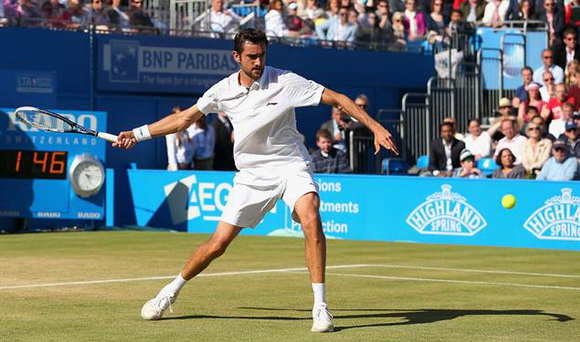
557	127
480	145
182	154
203	142
557	72
545	94
223	22
490	9
275	26
516	145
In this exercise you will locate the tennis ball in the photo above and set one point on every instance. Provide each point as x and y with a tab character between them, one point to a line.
508	201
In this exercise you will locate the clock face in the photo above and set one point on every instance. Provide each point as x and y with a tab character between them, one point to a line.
88	176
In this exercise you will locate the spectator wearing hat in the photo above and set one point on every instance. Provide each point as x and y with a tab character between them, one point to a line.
467	169
328	159
477	141
536	150
562	166
507	167
505	112
571	138
548	65
533	99
294	23
553	110
521	93
511	140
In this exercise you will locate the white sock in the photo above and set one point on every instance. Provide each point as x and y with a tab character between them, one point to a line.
176	285
319	290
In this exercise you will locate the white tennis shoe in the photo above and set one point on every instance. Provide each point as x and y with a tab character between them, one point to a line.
322	319
155	307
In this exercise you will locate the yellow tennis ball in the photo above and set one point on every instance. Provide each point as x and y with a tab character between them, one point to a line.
508	201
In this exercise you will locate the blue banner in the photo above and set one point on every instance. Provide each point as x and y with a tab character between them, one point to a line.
376	208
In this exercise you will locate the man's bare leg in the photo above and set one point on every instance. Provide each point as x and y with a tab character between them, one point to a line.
205	253
307	209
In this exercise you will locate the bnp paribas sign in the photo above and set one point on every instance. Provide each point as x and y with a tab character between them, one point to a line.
557	219
446	213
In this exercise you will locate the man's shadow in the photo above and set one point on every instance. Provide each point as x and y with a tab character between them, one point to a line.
410	316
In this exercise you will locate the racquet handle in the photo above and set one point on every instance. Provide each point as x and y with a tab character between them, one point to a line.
107	136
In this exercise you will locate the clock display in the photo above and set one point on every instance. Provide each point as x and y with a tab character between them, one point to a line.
33	164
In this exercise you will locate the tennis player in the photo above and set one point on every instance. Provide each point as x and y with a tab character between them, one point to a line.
273	162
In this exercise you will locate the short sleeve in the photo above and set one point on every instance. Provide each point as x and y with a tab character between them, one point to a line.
208	103
302	92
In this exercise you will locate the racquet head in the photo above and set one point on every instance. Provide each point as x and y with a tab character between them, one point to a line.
44	120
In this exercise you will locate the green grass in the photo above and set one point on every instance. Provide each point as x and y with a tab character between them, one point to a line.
393	302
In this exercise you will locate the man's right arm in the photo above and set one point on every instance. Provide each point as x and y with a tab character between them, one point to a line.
169	124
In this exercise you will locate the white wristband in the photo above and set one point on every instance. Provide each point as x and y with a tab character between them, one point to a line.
142	133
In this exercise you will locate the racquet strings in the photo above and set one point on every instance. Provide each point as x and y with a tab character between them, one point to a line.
44	121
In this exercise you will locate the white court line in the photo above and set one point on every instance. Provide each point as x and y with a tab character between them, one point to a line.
474	271
220	274
453	281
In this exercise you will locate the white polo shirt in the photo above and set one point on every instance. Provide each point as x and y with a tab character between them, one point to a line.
266	140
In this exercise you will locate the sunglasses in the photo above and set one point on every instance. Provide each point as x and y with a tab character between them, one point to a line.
548	4
548	79
548	57
571	38
361	105
533	128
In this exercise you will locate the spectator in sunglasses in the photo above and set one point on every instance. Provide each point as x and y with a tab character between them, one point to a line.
548	65
536	150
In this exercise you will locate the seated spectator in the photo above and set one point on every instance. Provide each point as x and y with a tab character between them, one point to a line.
275	25
553	110
568	50
526	12
540	122
572	70
534	99
562	166
139	20
29	13
332	8
548	65
495	11
362	101
98	15
295	24
558	126
338	30
384	16
477	141
473	10
414	22
399	30
122	18
571	138
521	93
53	14
452	121
436	23
310	10
328	159
547	91
456	25
505	112
370	31
467	169
77	16
221	21
555	20
536	151
224	143
444	152
507	169
511	140
337	126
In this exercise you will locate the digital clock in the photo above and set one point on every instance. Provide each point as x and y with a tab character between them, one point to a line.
30	164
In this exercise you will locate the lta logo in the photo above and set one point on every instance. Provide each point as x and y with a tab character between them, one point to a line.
446	213
558	219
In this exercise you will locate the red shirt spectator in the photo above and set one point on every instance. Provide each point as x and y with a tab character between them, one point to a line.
553	110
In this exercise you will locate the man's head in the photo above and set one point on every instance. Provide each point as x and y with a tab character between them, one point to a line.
567	111
561	92
505	106
560	151
383	7
549	6
474	127
362	101
527	75
467	159
508	129
217	5
447	131
343	15
324	140
456	16
250	47
532	112
97	5
570	38
571	130
547	56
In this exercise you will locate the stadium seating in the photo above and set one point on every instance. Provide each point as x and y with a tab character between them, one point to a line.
487	165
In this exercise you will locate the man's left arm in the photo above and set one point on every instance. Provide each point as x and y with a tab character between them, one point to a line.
341	101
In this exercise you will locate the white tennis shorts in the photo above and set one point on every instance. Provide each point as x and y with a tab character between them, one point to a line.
251	199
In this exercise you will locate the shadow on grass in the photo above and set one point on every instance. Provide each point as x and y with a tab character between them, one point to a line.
410	316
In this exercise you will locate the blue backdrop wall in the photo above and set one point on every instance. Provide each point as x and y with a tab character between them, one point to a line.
138	79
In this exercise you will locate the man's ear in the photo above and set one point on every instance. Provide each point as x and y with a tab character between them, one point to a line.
237	57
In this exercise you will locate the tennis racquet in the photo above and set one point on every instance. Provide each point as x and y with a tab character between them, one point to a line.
53	122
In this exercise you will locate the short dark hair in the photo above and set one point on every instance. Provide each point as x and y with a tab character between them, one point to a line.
447	123
474	119
251	35
527	68
323	133
456	11
569	31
